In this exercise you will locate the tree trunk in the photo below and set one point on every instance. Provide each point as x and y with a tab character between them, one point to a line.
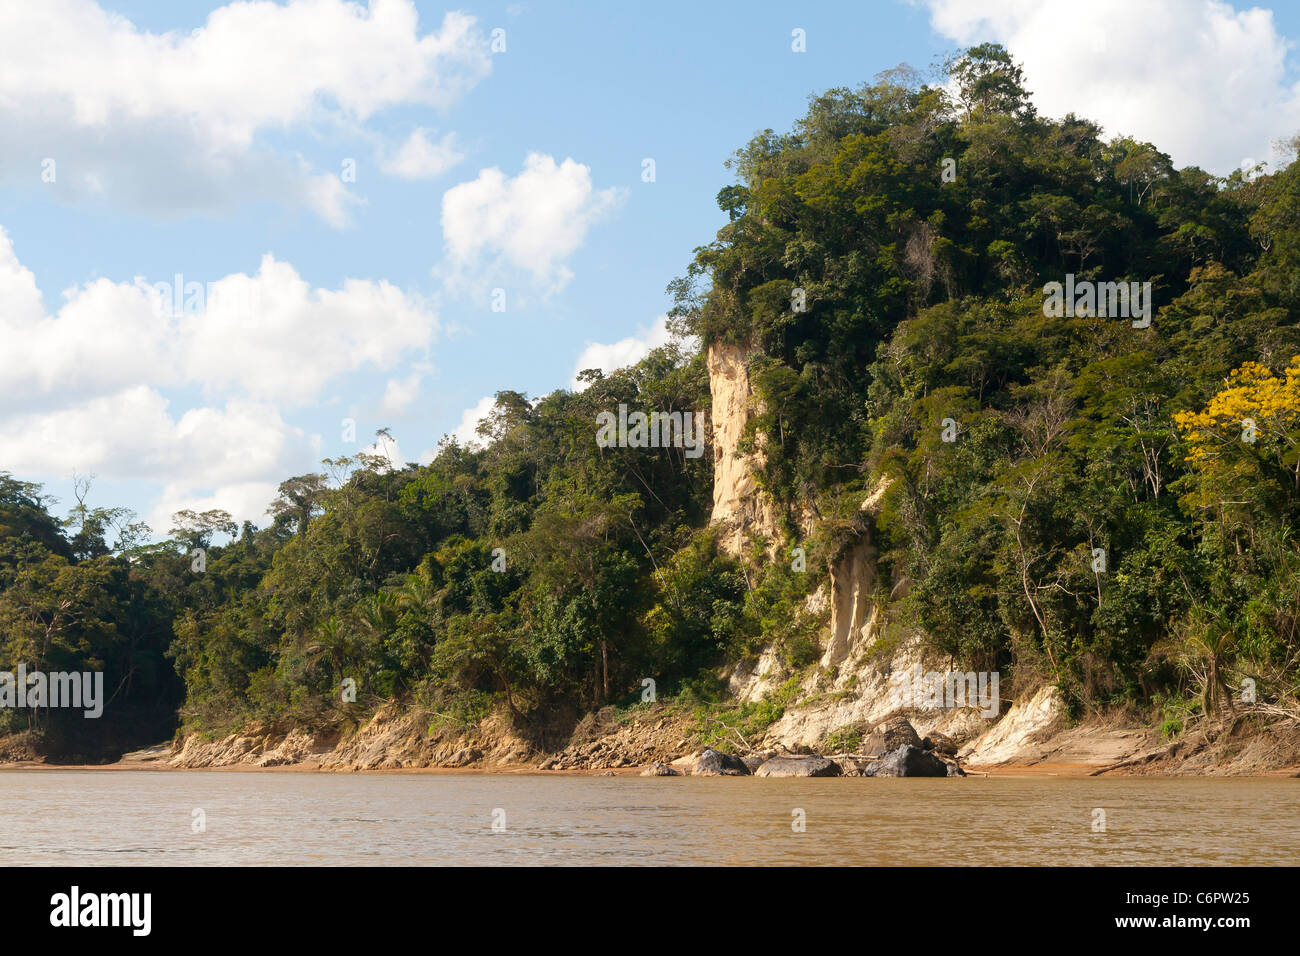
604	670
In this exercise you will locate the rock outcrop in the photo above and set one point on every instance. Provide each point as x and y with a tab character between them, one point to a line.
714	763
753	761
1024	724
751	681
940	744
660	770
854	612
800	766
739	507
907	761
861	695
892	734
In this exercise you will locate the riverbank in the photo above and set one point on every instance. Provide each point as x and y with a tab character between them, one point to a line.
625	745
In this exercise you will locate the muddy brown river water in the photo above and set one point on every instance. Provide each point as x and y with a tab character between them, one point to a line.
141	818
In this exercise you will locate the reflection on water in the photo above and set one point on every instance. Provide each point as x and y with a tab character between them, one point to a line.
109	817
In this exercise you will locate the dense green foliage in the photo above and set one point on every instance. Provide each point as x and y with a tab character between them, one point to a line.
544	574
924	302
70	602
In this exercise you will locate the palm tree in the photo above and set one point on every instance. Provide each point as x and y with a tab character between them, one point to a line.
419	592
333	643
377	616
1210	646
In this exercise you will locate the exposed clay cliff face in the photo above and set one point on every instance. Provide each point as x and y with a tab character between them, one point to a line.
1026	723
394	739
862	695
855	607
740	509
854	612
854	687
390	740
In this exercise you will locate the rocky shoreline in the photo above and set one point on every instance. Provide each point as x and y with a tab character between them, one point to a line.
847	727
658	742
903	754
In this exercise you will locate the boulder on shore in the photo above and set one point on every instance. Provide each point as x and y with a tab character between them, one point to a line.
753	761
660	770
812	766
897	732
907	761
714	763
940	744
852	765
887	737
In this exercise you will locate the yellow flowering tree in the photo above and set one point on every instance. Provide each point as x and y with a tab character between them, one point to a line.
1245	443
1243	452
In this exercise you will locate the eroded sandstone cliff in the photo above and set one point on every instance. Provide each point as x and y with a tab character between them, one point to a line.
739	509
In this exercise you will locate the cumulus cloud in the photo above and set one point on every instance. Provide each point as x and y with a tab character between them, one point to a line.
622	353
387	449
422	158
1203	81
133	434
531	223
85	388
466	432
169	123
268	336
400	393
324	333
246	501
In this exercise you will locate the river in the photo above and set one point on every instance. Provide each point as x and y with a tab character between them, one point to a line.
71	817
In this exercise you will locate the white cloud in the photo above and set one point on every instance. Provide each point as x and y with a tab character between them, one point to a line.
532	222
400	393
622	353
132	434
465	433
1204	82
325	195
245	502
389	449
323	333
85	389
269	336
169	123
421	158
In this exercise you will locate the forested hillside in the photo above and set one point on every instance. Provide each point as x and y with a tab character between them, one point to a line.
1070	499
925	302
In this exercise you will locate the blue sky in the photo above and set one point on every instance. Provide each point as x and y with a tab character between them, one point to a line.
199	153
